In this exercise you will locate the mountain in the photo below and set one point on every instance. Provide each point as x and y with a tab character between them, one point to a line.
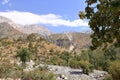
72	40
4	19
26	29
6	30
34	28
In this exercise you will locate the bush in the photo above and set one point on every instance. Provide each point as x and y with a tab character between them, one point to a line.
86	66
114	69
66	56
108	77
73	63
38	75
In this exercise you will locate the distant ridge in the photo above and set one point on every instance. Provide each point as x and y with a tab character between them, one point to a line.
24	29
78	40
6	30
34	28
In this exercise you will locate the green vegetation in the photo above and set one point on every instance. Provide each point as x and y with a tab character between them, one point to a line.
24	55
108	60
8	70
104	21
39	74
104	53
114	69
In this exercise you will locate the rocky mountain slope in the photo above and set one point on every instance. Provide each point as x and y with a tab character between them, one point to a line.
6	30
72	40
26	29
37	45
34	28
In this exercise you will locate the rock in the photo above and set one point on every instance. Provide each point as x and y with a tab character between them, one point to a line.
99	75
65	78
62	76
86	77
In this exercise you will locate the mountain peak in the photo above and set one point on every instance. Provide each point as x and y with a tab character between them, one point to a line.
4	19
34	28
26	29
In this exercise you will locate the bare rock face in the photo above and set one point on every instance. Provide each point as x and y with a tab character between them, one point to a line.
3	19
73	41
34	28
6	20
6	30
9	29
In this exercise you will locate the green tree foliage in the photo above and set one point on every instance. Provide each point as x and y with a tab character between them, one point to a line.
65	56
24	55
84	56
74	63
86	66
111	54
104	20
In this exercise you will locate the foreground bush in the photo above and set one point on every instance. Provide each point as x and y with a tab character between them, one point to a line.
114	69
38	74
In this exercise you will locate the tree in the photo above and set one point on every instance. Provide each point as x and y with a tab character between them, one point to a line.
66	56
104	20
86	66
24	55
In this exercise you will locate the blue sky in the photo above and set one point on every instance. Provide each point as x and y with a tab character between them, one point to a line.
57	15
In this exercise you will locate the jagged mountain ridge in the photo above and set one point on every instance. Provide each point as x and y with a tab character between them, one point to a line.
78	40
26	29
34	28
6	30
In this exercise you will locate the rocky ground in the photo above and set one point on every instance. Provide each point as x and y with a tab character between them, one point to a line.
67	73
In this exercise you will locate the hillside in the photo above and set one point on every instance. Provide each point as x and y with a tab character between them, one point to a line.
34	28
37	46
72	41
6	30
26	29
78	40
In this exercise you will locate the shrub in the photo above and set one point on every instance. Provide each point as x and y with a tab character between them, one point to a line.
73	63
65	56
86	66
108	77
37	74
114	69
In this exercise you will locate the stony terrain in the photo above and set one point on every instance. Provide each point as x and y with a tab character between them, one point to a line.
71	41
67	73
79	41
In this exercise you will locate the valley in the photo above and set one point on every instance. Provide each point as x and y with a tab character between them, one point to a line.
32	52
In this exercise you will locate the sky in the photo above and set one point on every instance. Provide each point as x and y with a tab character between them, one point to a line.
56	15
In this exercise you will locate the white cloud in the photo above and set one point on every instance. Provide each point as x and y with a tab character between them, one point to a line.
5	2
49	19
